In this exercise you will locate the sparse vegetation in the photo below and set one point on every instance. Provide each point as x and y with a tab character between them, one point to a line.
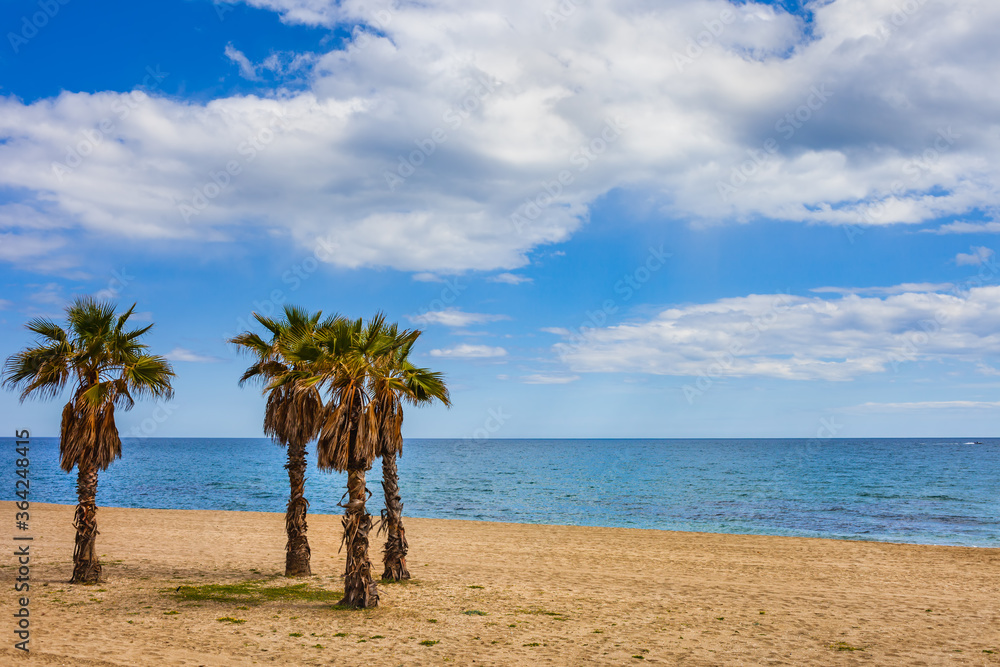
253	592
844	646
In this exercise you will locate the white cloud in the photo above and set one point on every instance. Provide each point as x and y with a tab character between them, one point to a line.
247	69
881	144
470	352
986	369
884	291
24	247
306	12
967	228
510	279
925	405
284	66
539	378
794	337
558	331
181	354
33	242
978	256
425	277
5	304
285	63
49	294
454	317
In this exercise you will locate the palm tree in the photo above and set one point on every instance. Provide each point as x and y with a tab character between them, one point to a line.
293	413
348	440
398	380
108	368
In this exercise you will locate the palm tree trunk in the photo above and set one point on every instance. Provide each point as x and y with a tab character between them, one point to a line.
396	547
86	566
297	549
360	590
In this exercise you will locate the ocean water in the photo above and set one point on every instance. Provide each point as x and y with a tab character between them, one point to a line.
929	491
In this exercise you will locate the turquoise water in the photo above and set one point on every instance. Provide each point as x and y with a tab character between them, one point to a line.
920	491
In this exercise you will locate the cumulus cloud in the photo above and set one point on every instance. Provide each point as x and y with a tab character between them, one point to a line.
455	317
181	354
979	256
416	144
796	337
470	352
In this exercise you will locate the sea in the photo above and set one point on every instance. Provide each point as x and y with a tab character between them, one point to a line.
923	491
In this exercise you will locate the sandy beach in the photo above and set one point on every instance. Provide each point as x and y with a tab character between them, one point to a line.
505	594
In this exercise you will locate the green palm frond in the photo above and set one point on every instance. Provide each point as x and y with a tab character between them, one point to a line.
270	324
46	329
41	372
149	376
107	366
294	405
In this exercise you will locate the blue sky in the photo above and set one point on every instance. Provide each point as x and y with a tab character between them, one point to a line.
629	219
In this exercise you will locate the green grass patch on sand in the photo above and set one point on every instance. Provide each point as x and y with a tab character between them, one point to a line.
230	619
429	642
844	646
254	592
475	612
557	615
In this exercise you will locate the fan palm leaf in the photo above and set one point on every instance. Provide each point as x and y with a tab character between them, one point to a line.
293	413
108	368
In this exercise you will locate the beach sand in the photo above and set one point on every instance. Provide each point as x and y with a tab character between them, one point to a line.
547	595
